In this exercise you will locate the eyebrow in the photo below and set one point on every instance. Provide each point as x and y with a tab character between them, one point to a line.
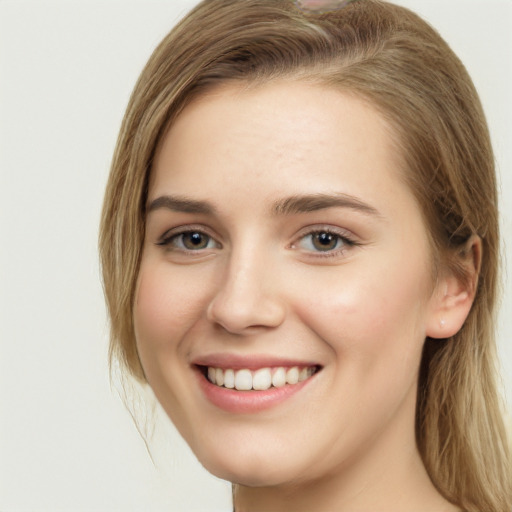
181	204
282	207
315	202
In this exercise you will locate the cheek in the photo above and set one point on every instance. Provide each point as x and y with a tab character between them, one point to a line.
166	306
365	312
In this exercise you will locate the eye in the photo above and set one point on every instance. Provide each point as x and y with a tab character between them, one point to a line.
192	240
324	241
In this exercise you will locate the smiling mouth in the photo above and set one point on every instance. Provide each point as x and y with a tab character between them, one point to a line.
258	380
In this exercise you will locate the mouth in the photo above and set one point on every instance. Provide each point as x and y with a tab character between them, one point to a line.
261	379
244	387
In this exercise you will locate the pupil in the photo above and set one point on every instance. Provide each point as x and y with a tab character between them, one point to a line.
325	241
195	241
325	238
196	238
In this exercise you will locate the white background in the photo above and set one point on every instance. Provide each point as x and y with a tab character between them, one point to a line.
66	71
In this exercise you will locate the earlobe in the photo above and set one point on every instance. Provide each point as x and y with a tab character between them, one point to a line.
455	292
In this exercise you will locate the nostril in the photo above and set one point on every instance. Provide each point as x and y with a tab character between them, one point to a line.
246	297
245	317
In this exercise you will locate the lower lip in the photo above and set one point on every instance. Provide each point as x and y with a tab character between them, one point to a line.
243	402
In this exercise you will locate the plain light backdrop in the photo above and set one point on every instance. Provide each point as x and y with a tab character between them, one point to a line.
67	68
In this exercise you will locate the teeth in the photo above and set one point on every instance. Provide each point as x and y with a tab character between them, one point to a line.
279	378
292	375
303	374
229	379
243	380
219	377
260	380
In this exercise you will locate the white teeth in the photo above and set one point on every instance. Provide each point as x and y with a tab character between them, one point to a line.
292	375
229	379
279	378
219	377
243	380
260	380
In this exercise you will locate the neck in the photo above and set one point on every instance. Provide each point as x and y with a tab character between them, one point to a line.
389	477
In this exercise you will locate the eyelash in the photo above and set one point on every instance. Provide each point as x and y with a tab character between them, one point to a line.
169	237
339	236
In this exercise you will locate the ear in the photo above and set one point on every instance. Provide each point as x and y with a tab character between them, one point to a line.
454	293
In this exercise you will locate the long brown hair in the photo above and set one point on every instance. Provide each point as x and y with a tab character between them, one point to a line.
392	58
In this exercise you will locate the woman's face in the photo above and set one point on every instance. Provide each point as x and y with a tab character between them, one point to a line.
284	253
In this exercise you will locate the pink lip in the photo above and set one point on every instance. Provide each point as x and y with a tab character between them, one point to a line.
244	402
238	362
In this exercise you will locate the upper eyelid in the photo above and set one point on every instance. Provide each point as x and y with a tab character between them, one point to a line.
350	241
166	241
192	228
319	228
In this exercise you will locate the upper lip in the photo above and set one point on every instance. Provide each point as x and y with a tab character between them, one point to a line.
249	362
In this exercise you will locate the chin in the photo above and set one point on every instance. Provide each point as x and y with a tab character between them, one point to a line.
257	472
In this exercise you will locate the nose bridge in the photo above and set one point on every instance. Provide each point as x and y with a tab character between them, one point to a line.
247	294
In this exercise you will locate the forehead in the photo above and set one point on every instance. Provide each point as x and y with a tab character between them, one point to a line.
283	136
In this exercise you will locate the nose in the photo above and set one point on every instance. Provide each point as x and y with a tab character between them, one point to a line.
248	298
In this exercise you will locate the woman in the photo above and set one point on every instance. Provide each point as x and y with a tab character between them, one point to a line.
300	250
